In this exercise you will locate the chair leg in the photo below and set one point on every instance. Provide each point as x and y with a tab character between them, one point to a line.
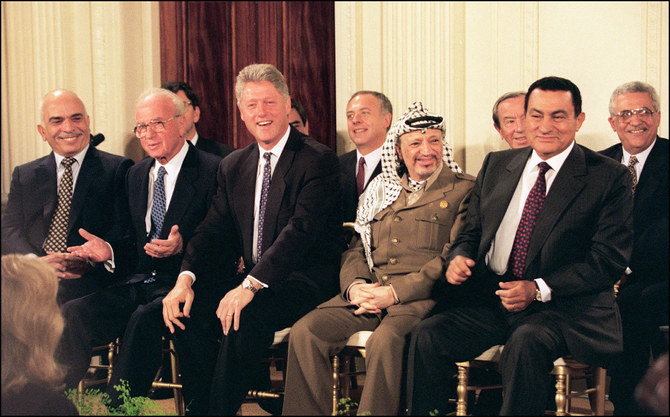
597	398
561	409
336	382
462	391
176	379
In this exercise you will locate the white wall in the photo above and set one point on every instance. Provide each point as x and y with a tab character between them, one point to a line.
456	57
459	57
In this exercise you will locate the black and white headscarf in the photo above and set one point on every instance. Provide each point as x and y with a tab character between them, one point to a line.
385	188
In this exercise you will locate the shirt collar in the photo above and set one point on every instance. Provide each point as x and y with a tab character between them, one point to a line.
641	157
555	162
174	165
79	157
371	159
278	148
195	138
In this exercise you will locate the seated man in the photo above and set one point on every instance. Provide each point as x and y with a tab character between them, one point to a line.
547	234
386	276
277	206
168	196
93	198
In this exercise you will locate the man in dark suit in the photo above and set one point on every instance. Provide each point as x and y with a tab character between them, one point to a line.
169	194
97	198
277	207
643	291
369	116
191	116
544	289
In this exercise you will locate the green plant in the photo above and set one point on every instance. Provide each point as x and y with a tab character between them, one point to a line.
434	413
94	402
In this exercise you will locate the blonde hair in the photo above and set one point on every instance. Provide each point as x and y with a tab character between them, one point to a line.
31	323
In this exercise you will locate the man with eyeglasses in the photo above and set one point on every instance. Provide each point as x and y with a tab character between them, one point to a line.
169	194
42	219
643	291
192	114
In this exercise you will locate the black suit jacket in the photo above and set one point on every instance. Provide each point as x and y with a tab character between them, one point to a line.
192	196
302	228
348	164
98	204
649	262
217	148
580	246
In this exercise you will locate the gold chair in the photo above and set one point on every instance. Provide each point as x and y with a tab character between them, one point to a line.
175	385
566	370
344	366
89	379
276	355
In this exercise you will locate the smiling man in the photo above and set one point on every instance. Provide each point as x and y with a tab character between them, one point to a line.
508	118
635	115
93	197
277	206
547	234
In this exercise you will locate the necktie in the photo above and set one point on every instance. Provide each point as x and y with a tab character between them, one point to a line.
267	173
631	168
56	239
158	206
531	209
360	176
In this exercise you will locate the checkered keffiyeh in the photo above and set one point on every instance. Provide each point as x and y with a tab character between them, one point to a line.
385	188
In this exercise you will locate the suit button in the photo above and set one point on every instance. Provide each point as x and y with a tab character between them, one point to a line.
435	218
395	241
396	219
385	278
393	261
154	273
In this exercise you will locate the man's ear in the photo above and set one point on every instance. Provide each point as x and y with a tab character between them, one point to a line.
196	114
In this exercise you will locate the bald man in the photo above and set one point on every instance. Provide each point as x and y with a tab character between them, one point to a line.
96	203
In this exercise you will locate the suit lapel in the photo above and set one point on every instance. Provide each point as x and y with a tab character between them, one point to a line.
184	190
278	186
90	168
654	169
567	185
47	190
138	194
243	194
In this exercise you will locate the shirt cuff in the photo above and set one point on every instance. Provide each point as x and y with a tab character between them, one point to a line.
109	263
395	295
264	285
545	291
190	274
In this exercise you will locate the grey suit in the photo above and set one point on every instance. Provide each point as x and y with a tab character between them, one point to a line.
580	246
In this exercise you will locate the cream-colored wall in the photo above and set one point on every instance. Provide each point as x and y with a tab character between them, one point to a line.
456	57
107	52
459	57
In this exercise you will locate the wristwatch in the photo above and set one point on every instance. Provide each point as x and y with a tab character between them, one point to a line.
247	284
538	294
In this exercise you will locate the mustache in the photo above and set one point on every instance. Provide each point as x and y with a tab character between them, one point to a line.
69	134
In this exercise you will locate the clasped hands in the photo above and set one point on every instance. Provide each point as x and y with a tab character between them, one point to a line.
515	295
370	298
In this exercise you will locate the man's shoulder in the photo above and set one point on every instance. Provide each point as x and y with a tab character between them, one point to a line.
107	157
43	160
613	151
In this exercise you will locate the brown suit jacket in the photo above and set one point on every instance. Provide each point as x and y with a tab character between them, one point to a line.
410	243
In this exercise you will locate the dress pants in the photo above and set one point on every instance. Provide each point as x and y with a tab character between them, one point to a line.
324	332
532	340
132	311
643	307
217	375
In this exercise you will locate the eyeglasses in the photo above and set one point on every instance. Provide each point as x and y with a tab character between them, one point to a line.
158	126
643	113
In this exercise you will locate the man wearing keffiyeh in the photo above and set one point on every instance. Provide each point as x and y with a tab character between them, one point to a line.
407	219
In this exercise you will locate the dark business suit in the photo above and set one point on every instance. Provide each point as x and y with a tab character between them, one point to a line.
134	308
643	298
348	165
98	203
217	148
581	244
300	263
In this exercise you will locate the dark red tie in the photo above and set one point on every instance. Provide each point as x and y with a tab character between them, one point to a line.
360	176
531	209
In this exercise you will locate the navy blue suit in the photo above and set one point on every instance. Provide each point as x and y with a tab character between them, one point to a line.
98	205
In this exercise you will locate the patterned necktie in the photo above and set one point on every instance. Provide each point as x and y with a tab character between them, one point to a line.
267	173
360	176
158	206
631	168
56	239
531	209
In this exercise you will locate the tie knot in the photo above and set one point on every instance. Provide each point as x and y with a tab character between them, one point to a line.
68	161
161	172
544	167
632	161
361	162
267	156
